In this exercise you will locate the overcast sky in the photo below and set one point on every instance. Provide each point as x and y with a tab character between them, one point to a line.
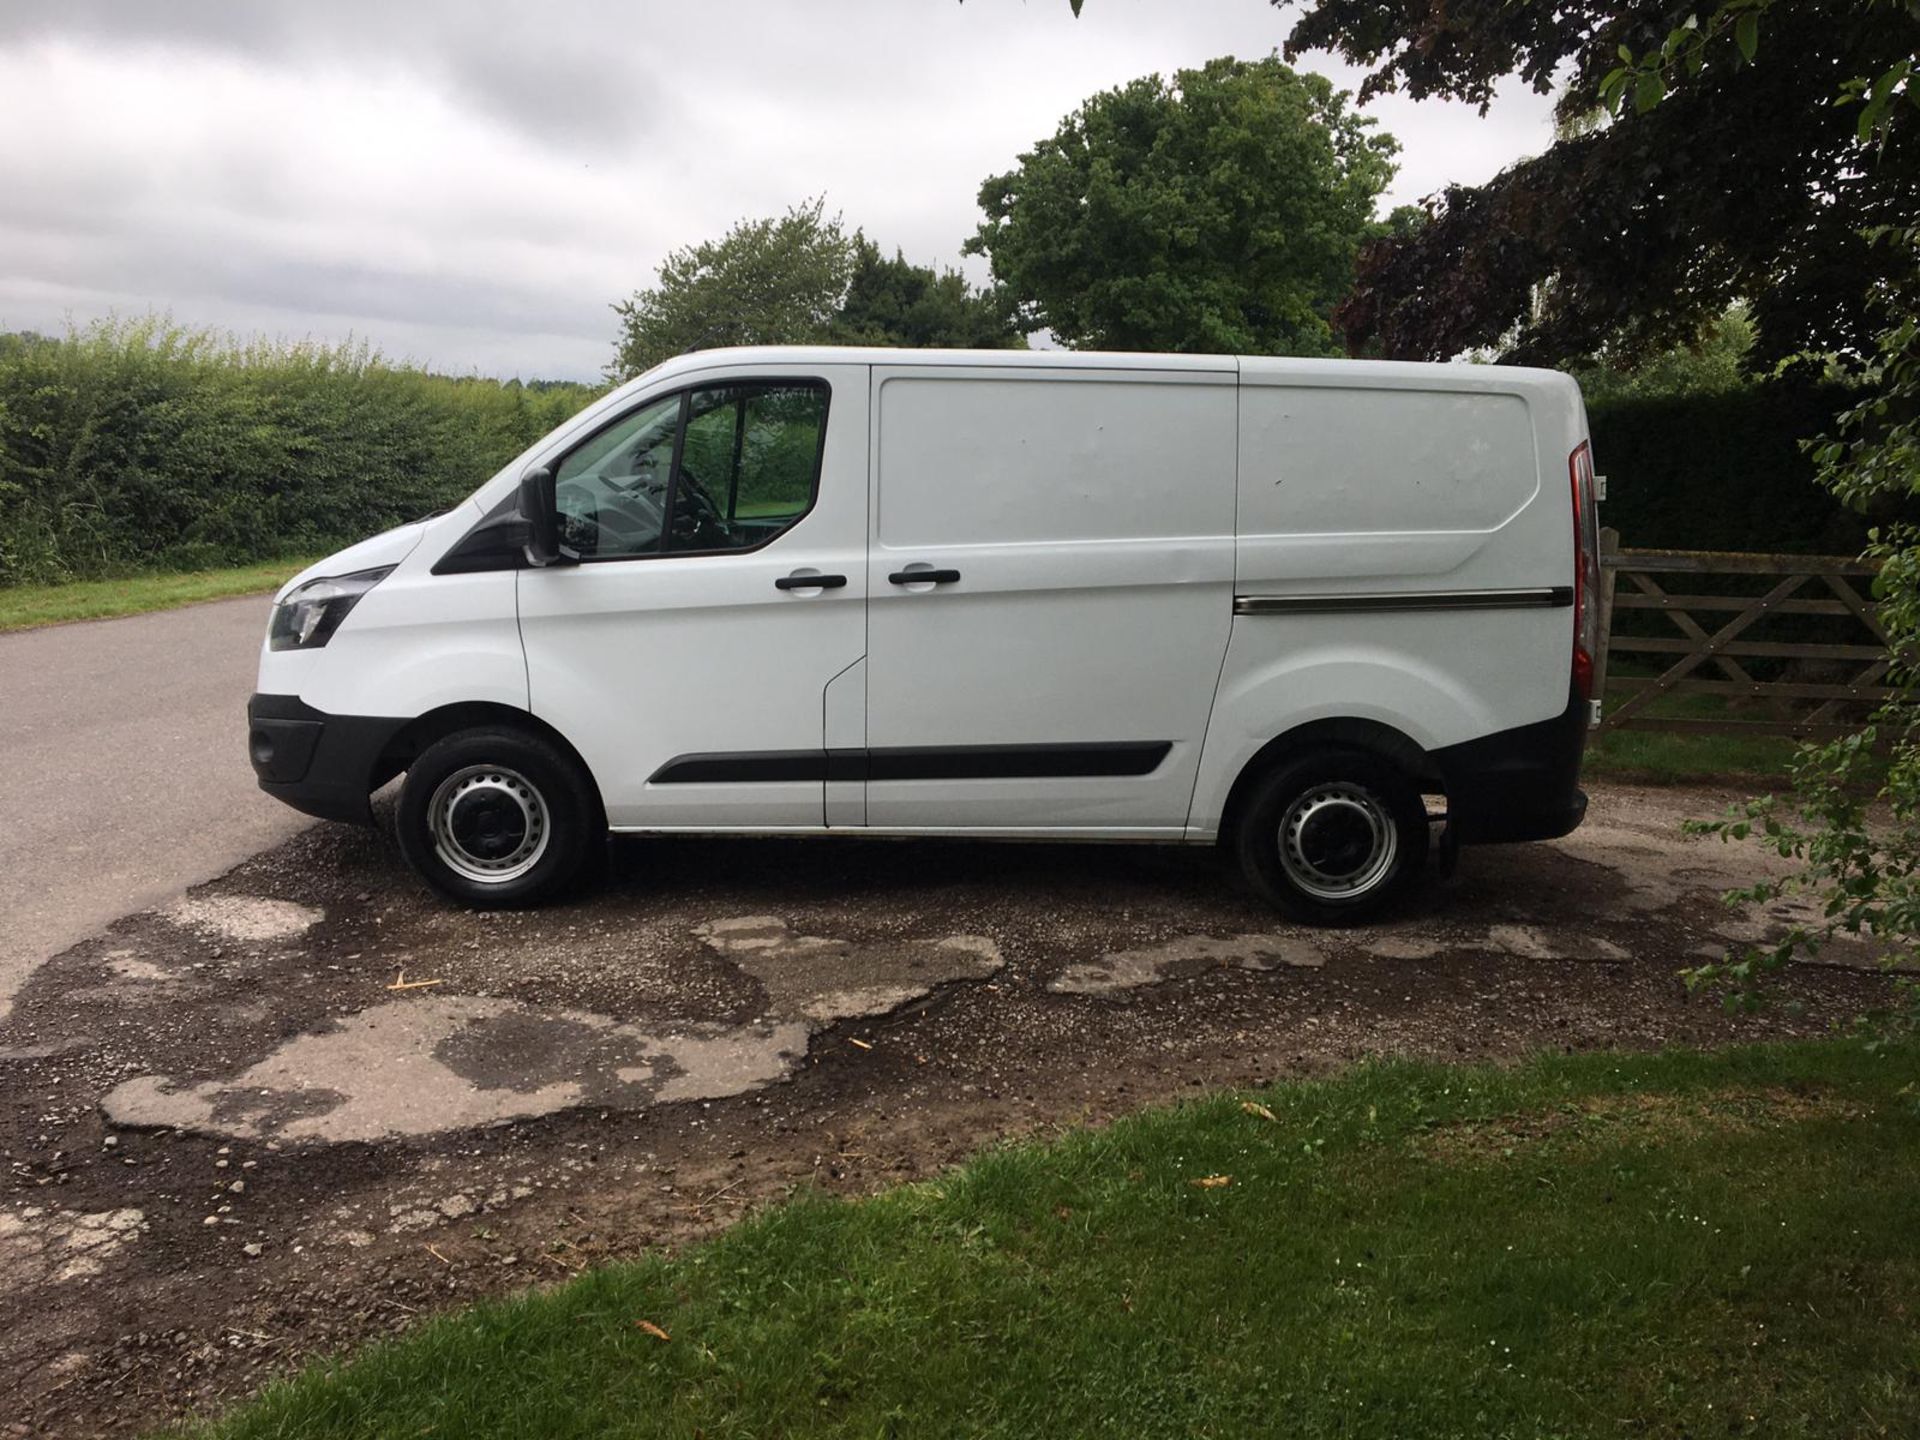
468	184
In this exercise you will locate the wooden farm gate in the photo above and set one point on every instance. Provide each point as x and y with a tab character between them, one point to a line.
1811	681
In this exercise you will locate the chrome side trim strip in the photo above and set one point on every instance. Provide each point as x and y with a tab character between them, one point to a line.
1542	598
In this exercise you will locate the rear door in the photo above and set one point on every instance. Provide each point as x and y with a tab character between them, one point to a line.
1050	590
721	528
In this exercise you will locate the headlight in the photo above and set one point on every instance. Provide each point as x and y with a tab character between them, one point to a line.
307	618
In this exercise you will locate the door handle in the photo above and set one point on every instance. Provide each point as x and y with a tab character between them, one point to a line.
924	577
810	582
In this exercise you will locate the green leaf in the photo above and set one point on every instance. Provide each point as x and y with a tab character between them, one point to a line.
1649	91
1746	34
1880	97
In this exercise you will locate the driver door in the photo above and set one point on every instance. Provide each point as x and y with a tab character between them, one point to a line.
686	655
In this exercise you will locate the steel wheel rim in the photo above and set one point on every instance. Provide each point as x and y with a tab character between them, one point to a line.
1337	841
490	824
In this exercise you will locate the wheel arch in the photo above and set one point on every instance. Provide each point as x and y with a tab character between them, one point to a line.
1334	733
413	738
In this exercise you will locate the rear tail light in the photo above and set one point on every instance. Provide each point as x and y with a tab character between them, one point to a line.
1586	569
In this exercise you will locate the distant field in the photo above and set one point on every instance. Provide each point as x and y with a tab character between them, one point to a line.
24	606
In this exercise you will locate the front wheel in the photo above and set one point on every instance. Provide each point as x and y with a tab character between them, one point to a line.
1332	837
497	817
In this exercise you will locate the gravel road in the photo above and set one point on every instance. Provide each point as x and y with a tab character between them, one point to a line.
123	744
308	1103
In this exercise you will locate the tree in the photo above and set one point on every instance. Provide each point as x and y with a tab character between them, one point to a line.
773	281
800	279
1714	364
1220	211
1691	46
1853	822
895	302
1734	174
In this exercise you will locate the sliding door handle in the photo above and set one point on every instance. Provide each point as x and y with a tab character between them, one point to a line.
809	582
924	577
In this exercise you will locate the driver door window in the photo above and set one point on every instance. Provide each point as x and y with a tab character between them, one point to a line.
748	466
721	468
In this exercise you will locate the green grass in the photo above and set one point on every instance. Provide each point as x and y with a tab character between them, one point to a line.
1680	1245
24	606
1653	755
1670	758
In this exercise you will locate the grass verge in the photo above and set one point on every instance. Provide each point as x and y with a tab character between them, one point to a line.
1662	758
1676	1245
1673	758
22	607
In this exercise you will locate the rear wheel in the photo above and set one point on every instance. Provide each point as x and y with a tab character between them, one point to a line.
497	817
1333	836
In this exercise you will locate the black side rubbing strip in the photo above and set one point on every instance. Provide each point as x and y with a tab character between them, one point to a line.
1016	762
761	766
953	762
1539	598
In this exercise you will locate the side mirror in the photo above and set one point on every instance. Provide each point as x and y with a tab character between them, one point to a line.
537	509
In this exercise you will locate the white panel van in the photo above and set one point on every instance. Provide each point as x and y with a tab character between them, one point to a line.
1267	604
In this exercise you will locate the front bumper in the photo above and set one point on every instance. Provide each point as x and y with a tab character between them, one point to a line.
325	765
1518	784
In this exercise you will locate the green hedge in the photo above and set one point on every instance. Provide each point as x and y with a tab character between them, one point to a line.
138	446
1722	471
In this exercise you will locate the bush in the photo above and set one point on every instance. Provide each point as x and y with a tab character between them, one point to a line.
142	445
1723	471
133	446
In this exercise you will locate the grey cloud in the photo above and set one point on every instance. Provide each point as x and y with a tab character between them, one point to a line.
563	78
474	182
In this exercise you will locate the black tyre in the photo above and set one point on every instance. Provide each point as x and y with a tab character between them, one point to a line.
1332	837
498	817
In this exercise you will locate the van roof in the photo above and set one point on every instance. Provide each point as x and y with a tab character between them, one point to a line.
886	355
1255	369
